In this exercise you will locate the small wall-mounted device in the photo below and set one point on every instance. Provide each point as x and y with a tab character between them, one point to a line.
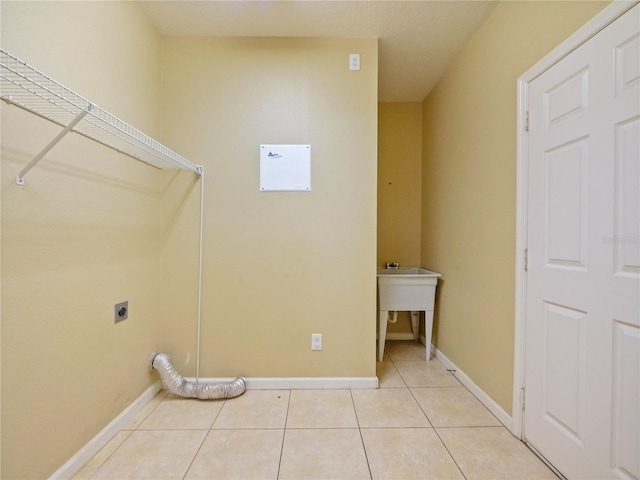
316	341
121	311
354	61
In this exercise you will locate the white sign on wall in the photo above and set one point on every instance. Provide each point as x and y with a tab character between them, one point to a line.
285	168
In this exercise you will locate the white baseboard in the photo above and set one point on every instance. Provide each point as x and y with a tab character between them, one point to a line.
480	394
86	453
298	383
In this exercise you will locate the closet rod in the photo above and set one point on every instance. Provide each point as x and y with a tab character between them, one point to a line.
32	90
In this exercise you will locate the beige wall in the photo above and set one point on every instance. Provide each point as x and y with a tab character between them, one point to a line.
84	233
92	228
468	185
399	191
278	266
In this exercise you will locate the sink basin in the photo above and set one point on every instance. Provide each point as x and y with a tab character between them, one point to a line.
411	271
410	289
406	288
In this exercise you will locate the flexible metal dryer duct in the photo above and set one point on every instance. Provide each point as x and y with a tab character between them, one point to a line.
178	385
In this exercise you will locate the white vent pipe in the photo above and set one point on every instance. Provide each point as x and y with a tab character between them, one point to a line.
178	385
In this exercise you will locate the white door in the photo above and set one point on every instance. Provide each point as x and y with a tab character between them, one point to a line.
582	344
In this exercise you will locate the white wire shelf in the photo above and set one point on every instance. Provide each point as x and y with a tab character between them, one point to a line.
32	90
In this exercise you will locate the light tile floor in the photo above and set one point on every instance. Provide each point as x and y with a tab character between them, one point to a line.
421	424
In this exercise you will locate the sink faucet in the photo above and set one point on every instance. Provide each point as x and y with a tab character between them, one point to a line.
392	265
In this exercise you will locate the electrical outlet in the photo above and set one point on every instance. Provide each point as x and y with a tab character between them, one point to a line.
121	311
316	341
354	61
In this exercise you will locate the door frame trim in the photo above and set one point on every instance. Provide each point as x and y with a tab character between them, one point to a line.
613	11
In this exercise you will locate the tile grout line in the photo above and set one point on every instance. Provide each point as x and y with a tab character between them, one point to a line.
284	433
437	434
217	415
166	394
123	441
425	413
395	366
449	452
204	439
152	410
110	455
420	406
209	430
364	447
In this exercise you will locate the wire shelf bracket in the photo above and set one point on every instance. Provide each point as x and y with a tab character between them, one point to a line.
32	90
37	158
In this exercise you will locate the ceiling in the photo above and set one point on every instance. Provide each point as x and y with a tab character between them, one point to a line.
417	39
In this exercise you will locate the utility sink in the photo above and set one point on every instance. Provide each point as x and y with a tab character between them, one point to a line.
410	289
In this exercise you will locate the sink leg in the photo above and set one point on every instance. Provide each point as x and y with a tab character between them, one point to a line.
415	325
382	334
428	331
